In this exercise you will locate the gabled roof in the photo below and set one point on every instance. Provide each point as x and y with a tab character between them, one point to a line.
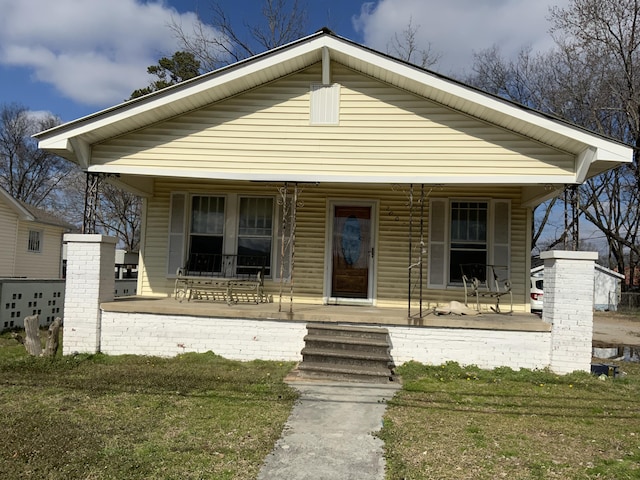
30	213
539	271
73	140
18	207
47	218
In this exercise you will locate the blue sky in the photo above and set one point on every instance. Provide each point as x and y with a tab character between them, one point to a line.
76	57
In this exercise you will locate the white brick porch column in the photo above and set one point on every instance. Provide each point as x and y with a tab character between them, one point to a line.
568	307
90	281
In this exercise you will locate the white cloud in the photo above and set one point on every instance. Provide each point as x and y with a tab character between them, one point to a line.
95	52
457	28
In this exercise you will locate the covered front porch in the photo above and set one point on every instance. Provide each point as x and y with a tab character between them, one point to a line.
163	326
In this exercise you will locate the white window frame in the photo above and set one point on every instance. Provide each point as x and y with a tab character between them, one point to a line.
498	237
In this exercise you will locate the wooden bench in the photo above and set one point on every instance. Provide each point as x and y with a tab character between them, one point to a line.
486	281
228	278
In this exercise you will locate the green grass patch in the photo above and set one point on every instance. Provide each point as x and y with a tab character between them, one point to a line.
124	417
460	422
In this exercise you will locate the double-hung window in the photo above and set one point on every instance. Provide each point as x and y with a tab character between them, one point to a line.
255	231
206	235
206	231
464	232
468	244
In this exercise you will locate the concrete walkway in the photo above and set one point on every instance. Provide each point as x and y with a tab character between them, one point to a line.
329	434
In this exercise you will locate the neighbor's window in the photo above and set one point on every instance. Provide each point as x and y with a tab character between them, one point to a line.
468	243
35	239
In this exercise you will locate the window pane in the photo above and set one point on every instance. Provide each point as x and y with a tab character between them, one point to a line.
256	216
468	237
207	234
255	232
205	253
255	247
207	215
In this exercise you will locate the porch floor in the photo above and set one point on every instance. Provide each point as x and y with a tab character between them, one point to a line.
325	313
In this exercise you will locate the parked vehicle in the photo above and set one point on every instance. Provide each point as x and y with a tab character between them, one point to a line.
536	294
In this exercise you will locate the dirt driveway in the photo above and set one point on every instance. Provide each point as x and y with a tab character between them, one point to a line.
613	328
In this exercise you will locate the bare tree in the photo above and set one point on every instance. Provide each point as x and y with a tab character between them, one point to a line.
603	36
120	214
591	78
221	41
27	173
531	80
407	47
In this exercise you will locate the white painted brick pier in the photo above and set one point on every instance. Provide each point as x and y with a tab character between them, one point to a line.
90	281
568	307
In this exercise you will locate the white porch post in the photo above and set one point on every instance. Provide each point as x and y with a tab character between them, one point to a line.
90	281
568	307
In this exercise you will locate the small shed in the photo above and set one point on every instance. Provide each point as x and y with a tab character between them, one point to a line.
607	285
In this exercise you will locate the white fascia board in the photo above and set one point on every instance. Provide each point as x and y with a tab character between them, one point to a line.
23	213
173	94
608	271
610	151
355	178
615	151
608	154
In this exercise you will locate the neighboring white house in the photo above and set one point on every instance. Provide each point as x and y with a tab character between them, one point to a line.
31	240
607	286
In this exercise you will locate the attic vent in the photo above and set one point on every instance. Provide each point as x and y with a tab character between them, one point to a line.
325	104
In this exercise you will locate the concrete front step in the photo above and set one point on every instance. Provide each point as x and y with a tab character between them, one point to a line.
347	331
347	353
346	343
346	357
345	373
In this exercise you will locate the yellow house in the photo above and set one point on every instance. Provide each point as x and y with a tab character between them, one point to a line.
31	240
361	179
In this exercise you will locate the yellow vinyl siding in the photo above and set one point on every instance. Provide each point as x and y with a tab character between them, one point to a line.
8	231
383	130
43	264
392	246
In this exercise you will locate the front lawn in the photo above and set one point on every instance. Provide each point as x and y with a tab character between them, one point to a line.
451	422
100	417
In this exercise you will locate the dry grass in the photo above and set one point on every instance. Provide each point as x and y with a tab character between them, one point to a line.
466	423
100	417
